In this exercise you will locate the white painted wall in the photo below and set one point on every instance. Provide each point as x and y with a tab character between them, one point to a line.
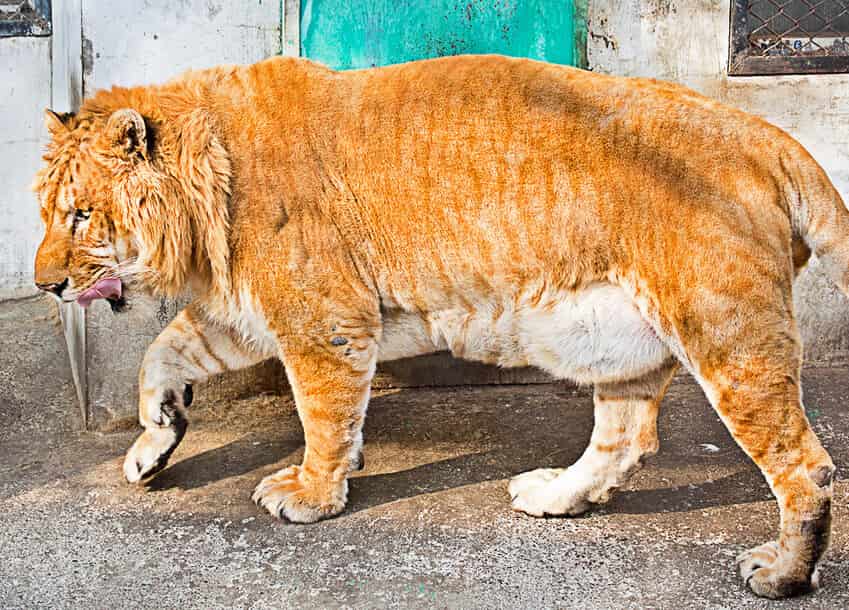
135	43
24	93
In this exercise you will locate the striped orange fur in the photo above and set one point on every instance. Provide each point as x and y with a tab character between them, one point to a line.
510	211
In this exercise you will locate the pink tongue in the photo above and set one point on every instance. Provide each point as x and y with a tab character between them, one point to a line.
106	288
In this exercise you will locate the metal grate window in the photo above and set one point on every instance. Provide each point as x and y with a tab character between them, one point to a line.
25	18
789	37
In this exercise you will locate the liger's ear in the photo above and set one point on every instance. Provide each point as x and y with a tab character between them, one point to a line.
126	132
56	122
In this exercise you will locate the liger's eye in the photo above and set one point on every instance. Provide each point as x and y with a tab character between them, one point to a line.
81	214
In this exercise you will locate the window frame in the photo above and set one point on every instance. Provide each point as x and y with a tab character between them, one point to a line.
742	63
43	26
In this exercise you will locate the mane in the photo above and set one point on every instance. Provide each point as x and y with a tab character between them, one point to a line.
175	199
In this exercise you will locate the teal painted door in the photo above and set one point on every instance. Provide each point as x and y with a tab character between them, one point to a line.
347	34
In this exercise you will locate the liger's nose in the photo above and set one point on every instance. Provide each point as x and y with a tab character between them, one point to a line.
55	287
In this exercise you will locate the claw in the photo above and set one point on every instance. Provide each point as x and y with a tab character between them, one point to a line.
284	495
152	450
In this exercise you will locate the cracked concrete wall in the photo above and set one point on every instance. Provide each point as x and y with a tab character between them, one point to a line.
687	41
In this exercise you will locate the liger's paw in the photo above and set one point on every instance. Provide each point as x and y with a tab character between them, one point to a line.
286	495
773	572
151	451
548	491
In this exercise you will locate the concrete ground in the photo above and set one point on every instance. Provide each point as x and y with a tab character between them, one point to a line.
428	523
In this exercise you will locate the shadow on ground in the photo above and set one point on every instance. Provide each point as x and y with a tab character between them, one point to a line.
428	521
515	435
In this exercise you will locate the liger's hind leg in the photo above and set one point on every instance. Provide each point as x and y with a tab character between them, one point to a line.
756	392
625	431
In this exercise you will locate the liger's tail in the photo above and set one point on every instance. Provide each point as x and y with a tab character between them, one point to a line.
819	216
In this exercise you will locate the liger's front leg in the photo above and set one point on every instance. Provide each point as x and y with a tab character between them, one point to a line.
189	350
331	384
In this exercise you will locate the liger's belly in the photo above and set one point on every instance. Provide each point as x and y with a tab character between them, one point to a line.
593	335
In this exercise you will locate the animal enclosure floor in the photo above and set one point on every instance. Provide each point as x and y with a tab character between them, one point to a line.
428	522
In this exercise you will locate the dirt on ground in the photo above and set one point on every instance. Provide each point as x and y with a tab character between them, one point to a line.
428	522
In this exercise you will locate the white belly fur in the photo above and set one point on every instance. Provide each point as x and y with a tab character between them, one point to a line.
594	335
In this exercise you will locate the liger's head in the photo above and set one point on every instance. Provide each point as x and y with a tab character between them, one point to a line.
122	215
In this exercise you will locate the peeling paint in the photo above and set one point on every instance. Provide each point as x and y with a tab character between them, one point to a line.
609	42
